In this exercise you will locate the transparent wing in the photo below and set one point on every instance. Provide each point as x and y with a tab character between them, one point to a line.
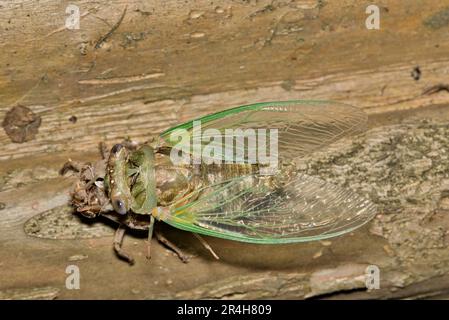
251	209
303	126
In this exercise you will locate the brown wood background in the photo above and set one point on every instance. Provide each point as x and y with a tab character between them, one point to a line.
169	61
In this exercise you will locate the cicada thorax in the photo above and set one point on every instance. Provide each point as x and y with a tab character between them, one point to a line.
130	180
172	181
116	180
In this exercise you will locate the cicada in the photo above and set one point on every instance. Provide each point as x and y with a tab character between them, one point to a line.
219	188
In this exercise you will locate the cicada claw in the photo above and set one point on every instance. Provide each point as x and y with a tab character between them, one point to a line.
181	255
118	240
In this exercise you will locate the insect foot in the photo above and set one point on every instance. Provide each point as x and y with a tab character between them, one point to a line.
118	240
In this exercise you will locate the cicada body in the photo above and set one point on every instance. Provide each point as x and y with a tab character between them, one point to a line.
210	176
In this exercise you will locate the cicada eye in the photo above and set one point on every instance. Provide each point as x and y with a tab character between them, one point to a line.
119	207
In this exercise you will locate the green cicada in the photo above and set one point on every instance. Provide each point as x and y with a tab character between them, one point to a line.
209	182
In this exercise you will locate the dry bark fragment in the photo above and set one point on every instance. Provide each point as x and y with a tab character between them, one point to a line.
21	124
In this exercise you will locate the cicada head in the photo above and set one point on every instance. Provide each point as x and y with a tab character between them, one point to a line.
130	180
124	182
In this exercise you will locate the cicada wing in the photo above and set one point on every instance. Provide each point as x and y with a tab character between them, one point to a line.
303	127
251	209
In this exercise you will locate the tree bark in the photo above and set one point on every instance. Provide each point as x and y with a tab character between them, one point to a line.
137	72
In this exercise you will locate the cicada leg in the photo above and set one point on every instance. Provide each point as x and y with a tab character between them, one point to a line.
78	166
181	255
129	144
150	236
88	170
118	240
206	245
104	150
71	166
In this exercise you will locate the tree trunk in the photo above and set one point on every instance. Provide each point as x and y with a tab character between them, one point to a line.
134	69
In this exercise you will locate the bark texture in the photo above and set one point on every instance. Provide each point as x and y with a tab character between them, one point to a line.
134	69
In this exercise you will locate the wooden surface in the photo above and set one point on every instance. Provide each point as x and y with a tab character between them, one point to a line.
168	62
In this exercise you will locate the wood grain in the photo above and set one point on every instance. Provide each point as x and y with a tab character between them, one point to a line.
171	61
